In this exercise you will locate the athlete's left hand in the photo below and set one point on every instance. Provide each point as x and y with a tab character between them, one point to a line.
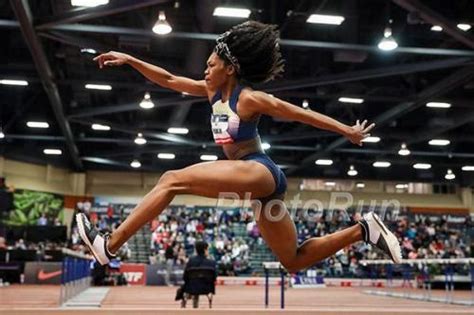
359	132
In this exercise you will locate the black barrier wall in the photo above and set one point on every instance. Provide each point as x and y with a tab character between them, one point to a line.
157	275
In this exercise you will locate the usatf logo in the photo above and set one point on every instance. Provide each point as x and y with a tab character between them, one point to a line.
133	276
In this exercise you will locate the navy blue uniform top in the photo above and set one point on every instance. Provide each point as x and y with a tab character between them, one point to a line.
227	127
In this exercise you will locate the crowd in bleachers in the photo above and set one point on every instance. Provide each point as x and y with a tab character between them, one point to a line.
234	237
176	230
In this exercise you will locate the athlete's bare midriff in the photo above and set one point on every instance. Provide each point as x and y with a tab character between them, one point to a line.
237	150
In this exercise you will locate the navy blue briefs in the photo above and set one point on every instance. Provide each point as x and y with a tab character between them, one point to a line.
278	175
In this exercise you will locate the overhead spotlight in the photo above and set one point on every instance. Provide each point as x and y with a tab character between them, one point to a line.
208	157
381	164
422	166
464	27
232	12
166	156
162	27
52	152
468	168
404	150
135	164
37	124
100	127
100	87
351	100
325	19
140	140
266	146
325	162
450	175
178	130
147	103
436	28
438	105
388	42
14	82
439	142
305	104
2	135
88	51
352	171
88	3
371	140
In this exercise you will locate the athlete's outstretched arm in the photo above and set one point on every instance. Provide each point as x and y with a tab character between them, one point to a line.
154	73
263	103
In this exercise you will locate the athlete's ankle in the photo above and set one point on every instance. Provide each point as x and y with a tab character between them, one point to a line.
108	246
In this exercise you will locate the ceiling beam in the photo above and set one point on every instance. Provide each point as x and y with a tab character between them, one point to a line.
147	134
25	18
83	42
373	152
456	121
159	103
359	75
440	88
288	85
116	30
434	18
83	14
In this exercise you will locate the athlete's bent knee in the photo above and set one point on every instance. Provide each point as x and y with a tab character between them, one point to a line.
291	266
172	181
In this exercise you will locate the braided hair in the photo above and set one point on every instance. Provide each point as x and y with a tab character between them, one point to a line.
253	49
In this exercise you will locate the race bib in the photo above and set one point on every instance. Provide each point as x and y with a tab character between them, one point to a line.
220	128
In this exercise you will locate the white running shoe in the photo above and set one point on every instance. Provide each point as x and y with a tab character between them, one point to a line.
374	232
96	241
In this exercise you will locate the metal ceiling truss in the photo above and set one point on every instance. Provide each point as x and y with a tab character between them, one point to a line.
159	103
440	88
83	14
434	18
289	85
25	18
150	134
115	30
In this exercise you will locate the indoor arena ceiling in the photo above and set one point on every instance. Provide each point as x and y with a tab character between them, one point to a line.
48	44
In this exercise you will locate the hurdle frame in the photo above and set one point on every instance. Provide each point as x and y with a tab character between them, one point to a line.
75	276
274	265
427	296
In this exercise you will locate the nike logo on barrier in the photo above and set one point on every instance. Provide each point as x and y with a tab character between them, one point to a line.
45	276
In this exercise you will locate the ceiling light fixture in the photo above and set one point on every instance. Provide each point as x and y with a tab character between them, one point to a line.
147	103
162	27
140	140
404	150
232	12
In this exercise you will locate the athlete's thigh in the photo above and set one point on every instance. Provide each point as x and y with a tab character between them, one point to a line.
209	179
277	228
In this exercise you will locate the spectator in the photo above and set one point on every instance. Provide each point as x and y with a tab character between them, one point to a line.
3	243
42	221
200	260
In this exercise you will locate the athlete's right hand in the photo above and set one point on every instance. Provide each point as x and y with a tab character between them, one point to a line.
112	58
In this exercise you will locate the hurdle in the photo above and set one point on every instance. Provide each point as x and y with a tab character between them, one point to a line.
409	265
274	265
75	274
